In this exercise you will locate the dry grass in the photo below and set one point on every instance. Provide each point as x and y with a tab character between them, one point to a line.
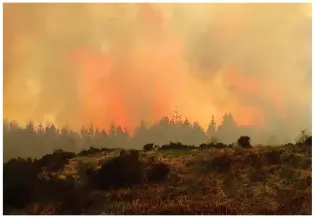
227	181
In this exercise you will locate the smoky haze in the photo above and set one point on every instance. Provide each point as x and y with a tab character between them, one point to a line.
98	63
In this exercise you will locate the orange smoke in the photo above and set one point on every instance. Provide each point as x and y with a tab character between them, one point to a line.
141	84
137	88
245	87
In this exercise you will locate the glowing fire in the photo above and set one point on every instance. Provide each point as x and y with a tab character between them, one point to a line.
142	86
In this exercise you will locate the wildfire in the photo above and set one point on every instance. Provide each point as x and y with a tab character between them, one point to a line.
141	84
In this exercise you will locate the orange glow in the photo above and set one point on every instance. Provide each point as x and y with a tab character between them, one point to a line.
105	97
127	63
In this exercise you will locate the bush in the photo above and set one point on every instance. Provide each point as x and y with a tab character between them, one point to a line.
257	175
158	172
22	186
176	146
220	145
273	157
19	180
121	171
254	160
203	146
56	160
244	142
90	151
221	164
308	141
304	137
149	147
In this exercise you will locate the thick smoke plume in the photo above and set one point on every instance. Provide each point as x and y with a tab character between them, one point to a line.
98	63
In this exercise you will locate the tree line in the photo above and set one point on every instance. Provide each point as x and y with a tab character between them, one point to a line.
35	141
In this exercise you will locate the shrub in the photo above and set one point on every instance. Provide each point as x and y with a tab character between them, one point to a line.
254	160
121	171
257	175
157	172
149	147
203	146
220	145
308	141
56	160
90	151
176	146
230	145
22	186
244	142
220	164
273	157
19	179
303	136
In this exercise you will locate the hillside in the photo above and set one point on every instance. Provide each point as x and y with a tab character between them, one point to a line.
186	180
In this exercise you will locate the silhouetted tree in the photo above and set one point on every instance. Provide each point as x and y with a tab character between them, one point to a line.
227	131
122	137
141	135
211	130
244	142
176	117
198	134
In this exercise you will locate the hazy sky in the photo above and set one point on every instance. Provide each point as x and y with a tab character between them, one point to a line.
98	63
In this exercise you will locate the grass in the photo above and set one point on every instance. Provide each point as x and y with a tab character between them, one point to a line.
174	152
228	181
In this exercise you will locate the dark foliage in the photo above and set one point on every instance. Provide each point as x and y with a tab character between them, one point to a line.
220	145
55	161
289	145
212	145
89	151
133	154
19	178
176	146
22	185
63	191
308	141
254	160
124	170
244	142
220	164
149	147
273	157
203	146
257	175
157	172
230	146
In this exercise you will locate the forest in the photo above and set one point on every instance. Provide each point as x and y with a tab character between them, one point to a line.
35	141
171	167
207	178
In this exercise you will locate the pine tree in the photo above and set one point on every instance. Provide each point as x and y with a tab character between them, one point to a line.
112	130
211	130
228	130
176	117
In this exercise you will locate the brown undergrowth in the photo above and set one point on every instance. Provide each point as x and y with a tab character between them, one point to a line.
260	180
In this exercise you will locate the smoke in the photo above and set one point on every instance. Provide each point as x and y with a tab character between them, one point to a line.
97	63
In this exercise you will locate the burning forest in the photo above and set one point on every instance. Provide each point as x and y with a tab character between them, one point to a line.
205	93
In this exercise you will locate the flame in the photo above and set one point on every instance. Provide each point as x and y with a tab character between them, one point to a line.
140	74
147	83
107	97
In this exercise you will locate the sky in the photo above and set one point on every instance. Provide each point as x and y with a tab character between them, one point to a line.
78	64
